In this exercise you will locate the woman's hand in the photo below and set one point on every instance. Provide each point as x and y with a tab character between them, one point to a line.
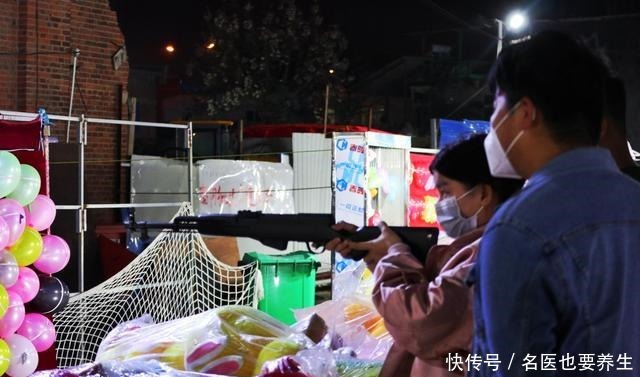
376	249
339	245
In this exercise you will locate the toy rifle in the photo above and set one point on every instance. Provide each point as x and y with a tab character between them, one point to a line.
277	230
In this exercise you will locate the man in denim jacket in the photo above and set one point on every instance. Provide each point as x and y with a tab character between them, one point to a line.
558	270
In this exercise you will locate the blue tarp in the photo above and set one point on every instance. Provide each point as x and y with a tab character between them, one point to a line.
452	130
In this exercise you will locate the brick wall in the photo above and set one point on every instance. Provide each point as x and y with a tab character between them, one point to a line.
31	80
8	61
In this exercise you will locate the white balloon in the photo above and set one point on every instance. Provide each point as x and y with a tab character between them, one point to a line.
9	269
24	357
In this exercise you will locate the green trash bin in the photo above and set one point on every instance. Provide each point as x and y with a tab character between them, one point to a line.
289	282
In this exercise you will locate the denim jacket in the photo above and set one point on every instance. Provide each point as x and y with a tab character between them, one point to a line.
558	274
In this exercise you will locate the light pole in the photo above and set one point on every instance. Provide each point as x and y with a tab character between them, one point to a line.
500	34
326	102
515	22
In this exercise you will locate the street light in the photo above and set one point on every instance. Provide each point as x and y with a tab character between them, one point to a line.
515	22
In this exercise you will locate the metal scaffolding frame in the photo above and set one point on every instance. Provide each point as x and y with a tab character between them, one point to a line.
81	207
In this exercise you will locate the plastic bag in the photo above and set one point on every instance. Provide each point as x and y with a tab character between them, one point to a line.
320	363
306	363
353	321
129	368
231	340
286	366
352	367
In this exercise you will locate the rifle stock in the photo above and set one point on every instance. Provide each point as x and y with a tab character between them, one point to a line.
277	230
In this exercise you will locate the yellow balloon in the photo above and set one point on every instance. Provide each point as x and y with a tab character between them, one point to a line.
4	302
28	247
5	356
173	355
274	350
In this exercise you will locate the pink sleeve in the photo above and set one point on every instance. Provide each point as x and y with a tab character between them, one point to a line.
428	319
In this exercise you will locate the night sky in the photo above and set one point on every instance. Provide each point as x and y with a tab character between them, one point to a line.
380	31
377	30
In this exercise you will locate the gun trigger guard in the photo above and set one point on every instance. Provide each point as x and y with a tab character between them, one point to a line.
311	250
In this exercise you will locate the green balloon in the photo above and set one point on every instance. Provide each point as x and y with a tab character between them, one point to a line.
29	185
9	173
4	300
5	356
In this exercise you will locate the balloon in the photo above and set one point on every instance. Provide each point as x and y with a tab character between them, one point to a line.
52	296
5	233
4	301
27	285
9	269
40	213
13	214
29	185
5	357
28	247
13	317
24	357
9	173
39	330
55	255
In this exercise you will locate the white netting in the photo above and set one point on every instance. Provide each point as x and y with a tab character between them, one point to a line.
174	277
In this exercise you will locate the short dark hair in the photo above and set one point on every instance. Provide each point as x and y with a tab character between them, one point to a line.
615	107
466	161
563	78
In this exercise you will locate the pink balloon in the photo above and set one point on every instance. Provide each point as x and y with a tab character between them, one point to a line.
13	214
39	330
55	255
5	233
24	357
40	213
27	285
14	316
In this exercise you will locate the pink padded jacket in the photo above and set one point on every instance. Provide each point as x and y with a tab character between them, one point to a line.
427	308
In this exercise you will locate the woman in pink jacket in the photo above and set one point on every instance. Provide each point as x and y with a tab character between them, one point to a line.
427	307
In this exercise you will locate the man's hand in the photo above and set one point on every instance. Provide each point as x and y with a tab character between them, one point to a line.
376	249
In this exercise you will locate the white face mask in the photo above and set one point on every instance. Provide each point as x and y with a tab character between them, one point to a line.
452	220
499	163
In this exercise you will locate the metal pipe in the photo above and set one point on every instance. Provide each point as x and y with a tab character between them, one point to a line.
434	133
75	53
136	123
131	205
19	115
190	162
82	212
326	108
241	137
500	35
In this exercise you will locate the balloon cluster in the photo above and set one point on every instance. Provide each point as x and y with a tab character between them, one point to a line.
25	296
